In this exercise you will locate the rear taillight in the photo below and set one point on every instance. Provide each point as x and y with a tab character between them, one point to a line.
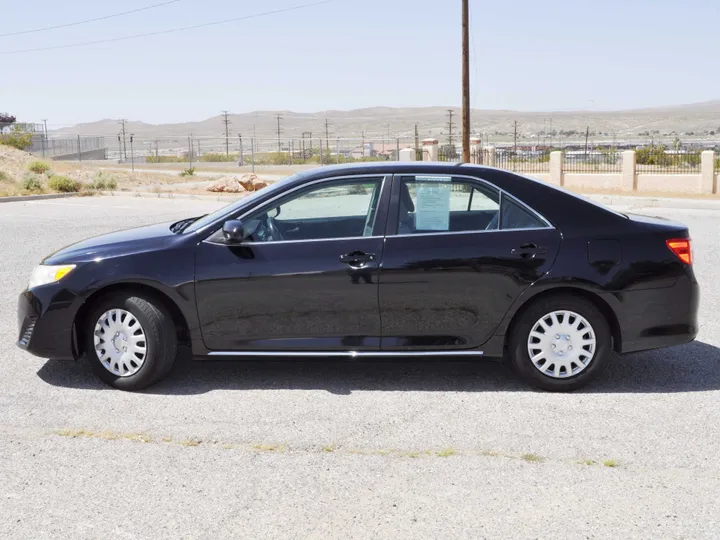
681	248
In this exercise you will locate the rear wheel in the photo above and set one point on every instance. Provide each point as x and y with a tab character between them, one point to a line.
131	342
560	343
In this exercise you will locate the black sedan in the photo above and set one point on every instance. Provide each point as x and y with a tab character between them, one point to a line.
402	259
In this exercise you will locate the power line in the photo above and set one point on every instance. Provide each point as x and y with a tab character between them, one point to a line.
171	30
90	20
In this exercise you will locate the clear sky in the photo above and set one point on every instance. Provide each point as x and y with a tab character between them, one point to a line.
525	55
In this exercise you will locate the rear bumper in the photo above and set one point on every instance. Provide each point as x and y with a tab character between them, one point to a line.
654	318
45	322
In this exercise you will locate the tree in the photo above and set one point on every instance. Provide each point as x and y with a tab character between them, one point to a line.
6	120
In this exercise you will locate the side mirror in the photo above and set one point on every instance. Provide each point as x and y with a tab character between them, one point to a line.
235	231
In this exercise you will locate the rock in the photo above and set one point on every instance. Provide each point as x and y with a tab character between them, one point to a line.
248	181
258	185
226	184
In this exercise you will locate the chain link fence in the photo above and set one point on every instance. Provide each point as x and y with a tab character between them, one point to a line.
313	150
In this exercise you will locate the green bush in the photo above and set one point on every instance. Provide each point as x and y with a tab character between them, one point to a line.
188	172
32	182
63	184
39	167
165	159
218	157
103	182
16	139
656	155
4	177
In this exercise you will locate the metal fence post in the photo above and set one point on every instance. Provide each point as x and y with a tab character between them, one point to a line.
79	150
321	152
337	150
190	151
252	153
241	150
397	148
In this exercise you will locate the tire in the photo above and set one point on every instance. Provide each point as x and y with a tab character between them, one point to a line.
565	358
143	347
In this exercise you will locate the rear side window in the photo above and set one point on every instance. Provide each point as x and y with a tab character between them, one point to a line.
437	204
434	203
516	216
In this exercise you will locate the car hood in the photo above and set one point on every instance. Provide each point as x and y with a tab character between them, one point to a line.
116	244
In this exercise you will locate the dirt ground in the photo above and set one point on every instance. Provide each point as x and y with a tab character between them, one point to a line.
15	175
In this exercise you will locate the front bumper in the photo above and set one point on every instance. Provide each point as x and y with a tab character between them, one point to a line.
45	322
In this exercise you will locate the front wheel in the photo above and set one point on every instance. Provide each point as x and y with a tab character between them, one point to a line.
560	343
131	341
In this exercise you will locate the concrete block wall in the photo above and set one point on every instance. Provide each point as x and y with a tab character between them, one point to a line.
706	182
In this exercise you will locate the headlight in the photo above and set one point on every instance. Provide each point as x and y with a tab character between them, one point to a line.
42	275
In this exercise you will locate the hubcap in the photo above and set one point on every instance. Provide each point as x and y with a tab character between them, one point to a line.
120	343
561	344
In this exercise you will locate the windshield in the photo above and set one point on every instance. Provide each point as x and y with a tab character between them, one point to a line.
237	205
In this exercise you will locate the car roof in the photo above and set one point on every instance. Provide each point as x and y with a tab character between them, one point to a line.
392	167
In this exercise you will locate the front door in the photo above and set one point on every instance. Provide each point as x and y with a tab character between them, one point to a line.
307	278
462	254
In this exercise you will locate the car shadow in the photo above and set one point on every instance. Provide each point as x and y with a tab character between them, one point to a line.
689	368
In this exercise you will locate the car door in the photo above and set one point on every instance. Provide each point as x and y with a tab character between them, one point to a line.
307	277
457	255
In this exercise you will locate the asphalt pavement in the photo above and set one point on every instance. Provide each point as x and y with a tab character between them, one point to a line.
340	449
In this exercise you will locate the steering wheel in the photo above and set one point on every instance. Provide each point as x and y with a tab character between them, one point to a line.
272	229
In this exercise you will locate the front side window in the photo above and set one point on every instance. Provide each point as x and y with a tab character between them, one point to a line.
332	209
435	204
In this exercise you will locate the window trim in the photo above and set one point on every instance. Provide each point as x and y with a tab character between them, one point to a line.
393	224
383	177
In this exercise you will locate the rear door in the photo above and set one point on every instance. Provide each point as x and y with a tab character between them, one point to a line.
458	253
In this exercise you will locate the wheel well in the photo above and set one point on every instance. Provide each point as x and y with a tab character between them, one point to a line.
597	301
145	291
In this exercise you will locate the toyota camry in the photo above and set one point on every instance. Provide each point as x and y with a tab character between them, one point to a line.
373	260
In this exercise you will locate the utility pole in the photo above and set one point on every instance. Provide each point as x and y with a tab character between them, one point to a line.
417	141
587	134
515	126
123	121
327	135
45	137
465	82
450	127
132	152
226	121
278	131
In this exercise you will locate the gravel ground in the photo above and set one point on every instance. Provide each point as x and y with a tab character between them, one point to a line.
319	449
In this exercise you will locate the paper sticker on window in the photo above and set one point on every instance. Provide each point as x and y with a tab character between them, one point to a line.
433	203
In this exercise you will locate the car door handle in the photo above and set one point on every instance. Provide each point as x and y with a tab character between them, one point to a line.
356	258
528	250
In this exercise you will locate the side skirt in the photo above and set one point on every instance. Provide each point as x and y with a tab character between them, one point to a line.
346	354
